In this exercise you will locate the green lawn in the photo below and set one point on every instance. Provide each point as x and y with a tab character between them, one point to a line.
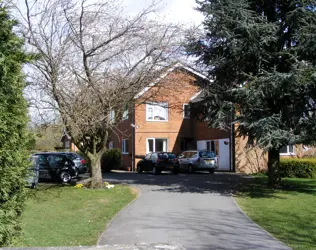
68	216
288	213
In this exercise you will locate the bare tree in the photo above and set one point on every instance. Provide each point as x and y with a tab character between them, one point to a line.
92	61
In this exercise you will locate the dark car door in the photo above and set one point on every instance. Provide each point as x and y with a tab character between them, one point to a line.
43	167
147	163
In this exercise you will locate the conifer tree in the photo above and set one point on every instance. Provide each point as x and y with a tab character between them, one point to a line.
13	136
261	55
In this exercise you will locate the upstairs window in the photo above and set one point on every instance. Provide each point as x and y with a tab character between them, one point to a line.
125	114
186	111
157	112
112	116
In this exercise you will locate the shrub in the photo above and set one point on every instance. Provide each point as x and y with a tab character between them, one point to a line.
299	168
112	159
13	135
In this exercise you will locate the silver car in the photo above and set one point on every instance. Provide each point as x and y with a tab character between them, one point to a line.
198	160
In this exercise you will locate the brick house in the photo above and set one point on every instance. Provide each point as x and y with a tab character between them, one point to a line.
160	121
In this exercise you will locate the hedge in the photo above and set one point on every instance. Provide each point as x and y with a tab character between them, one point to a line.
112	159
298	168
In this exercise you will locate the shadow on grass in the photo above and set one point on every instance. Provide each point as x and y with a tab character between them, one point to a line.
258	187
48	190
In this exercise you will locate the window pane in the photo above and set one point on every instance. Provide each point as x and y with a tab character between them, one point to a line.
213	148
186	111
291	149
283	150
126	146
150	143
160	113
161	145
157	111
208	145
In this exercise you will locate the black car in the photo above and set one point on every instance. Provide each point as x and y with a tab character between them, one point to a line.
80	162
157	162
56	166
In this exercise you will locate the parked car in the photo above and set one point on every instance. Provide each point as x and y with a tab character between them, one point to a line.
157	162
196	160
80	162
56	166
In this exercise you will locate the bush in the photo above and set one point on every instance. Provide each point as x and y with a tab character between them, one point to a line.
112	159
13	135
298	168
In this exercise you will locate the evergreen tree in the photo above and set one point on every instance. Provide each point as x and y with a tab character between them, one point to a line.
13	137
261	55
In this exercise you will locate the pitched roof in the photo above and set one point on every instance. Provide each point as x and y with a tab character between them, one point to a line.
167	72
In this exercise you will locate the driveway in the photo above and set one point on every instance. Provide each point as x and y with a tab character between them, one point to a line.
195	211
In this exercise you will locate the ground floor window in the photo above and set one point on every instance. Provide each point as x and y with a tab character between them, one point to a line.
287	150
156	144
111	144
125	146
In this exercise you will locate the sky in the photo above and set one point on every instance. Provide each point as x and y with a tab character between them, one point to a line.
172	10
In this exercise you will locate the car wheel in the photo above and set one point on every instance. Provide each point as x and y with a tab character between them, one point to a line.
191	169
212	171
139	169
65	176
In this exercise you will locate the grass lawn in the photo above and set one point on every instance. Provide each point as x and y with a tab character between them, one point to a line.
288	213
68	216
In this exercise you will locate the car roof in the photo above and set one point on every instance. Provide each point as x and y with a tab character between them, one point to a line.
49	153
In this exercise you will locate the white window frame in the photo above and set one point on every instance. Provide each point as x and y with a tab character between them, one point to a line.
154	144
153	105
186	117
288	151
124	149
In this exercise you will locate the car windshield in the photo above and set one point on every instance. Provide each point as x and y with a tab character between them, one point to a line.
166	156
207	154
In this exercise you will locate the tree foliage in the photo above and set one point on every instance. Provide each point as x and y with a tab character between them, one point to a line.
261	56
13	137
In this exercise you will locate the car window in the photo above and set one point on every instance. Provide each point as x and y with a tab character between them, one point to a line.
163	155
187	154
147	157
181	155
194	155
171	156
207	154
154	157
42	161
55	160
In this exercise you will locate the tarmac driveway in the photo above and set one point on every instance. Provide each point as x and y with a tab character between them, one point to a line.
195	211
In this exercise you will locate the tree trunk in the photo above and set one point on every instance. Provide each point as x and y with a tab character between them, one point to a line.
274	178
96	174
